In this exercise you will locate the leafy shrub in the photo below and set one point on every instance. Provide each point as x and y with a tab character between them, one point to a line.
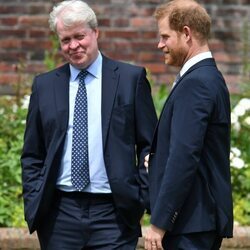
11	129
240	159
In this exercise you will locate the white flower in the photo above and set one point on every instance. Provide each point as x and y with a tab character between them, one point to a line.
247	120
245	102
239	110
237	162
236	126
14	108
234	118
235	151
25	102
8	97
231	156
242	106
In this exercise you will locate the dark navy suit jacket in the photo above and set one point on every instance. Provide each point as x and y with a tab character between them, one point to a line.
189	173
128	122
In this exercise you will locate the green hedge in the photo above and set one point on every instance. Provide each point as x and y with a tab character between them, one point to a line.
11	139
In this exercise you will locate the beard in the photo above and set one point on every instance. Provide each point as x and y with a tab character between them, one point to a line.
176	57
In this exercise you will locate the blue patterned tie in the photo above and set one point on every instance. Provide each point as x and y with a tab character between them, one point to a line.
80	161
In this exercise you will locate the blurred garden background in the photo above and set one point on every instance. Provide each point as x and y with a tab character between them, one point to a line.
128	33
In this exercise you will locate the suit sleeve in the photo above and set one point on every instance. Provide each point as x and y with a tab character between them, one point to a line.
191	109
33	153
146	120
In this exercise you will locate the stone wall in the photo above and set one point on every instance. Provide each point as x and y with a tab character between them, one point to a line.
128	33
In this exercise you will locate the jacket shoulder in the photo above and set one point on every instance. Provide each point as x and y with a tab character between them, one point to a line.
122	65
61	69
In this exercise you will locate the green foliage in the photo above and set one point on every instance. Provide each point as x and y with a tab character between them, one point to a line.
240	138
246	50
240	158
52	59
159	97
12	129
159	94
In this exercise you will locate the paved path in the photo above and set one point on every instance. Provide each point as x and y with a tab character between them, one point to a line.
19	238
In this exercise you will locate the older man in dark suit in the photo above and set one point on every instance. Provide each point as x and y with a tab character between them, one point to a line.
89	127
189	172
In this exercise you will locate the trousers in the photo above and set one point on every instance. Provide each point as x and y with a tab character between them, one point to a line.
85	221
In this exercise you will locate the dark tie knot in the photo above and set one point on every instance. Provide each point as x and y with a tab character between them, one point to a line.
82	75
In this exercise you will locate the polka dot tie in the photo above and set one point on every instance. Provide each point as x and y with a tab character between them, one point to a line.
80	161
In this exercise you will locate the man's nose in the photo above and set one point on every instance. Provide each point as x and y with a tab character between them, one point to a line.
160	44
73	44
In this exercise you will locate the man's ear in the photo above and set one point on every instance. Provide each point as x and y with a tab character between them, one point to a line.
96	32
187	32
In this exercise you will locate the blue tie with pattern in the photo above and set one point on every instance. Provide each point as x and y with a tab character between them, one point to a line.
80	161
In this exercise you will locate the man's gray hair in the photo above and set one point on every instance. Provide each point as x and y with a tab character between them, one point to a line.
71	12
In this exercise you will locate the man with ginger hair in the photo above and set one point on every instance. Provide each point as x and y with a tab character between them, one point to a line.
189	171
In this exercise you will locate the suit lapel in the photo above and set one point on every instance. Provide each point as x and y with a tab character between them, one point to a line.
61	92
110	79
205	62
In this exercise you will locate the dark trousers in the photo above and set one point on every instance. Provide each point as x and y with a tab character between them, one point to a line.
82	221
193	241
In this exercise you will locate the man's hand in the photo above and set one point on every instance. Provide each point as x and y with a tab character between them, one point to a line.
153	238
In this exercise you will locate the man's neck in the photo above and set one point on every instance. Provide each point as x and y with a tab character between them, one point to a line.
196	49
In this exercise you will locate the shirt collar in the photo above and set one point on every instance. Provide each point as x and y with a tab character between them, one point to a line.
194	60
94	69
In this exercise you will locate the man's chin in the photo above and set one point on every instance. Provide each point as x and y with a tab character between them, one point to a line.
78	65
167	60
